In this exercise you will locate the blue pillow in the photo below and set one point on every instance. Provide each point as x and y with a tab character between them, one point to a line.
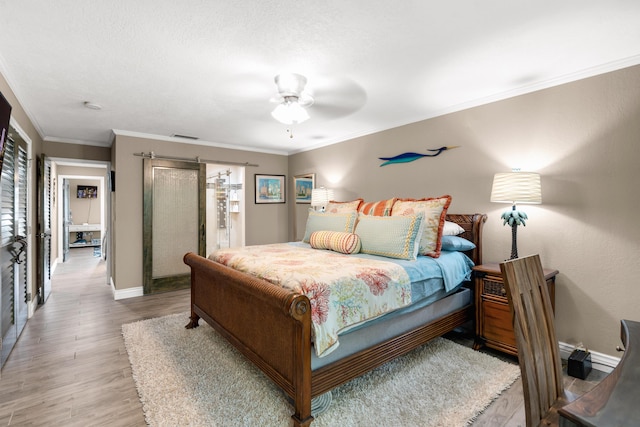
455	243
319	221
390	236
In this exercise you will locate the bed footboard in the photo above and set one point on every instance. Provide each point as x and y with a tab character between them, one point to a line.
246	310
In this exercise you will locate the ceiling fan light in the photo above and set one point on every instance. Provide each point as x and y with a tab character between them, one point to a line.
290	84
297	113
290	112
280	114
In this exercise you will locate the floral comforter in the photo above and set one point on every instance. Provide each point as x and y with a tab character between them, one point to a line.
343	290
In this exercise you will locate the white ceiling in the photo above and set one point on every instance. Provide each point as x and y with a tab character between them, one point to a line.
205	68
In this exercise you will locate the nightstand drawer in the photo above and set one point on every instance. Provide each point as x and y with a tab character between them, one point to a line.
494	325
493	287
497	323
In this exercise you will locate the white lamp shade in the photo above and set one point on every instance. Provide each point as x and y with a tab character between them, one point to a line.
290	112
516	187
321	196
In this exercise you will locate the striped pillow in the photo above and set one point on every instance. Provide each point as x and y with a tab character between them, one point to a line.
379	208
338	241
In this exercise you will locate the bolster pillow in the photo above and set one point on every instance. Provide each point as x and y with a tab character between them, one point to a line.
338	241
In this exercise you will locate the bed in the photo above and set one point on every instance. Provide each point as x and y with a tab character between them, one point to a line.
272	326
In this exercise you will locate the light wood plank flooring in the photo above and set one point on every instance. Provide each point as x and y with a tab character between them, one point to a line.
70	366
508	409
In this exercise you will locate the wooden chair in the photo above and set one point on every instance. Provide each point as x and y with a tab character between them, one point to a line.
538	350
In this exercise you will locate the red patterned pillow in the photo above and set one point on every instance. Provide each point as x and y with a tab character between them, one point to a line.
379	208
434	211
338	241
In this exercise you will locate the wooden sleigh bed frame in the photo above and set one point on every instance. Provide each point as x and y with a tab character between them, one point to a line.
271	326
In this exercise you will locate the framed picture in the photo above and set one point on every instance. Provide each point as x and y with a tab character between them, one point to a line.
87	191
302	185
270	189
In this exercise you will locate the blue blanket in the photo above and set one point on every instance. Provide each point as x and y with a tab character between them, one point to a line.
452	267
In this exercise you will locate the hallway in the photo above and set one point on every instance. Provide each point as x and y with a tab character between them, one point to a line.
70	366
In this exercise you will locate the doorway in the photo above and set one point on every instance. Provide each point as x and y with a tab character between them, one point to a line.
82	213
225	206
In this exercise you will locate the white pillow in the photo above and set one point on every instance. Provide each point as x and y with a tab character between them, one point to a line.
451	229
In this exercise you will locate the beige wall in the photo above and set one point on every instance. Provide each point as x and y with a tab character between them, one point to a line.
84	210
77	151
18	114
582	137
264	223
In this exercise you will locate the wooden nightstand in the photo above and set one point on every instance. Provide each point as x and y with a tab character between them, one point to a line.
494	326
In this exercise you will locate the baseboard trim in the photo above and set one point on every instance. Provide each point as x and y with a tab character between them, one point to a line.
119	294
600	361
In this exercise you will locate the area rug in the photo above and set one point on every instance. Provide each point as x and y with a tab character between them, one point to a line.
193	377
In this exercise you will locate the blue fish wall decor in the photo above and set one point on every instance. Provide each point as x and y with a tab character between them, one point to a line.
410	157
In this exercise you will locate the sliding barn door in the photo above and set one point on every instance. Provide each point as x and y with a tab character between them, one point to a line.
174	221
13	244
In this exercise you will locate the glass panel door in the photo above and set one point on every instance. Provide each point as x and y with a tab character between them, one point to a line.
174	222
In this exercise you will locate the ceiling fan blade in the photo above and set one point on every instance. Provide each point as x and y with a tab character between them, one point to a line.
335	98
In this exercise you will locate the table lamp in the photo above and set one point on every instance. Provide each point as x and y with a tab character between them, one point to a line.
320	197
516	187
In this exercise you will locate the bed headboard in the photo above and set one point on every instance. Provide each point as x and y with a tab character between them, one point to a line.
472	224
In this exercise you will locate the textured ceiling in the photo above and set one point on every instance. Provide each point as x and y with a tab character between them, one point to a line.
206	68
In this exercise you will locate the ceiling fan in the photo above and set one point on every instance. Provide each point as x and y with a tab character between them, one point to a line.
291	98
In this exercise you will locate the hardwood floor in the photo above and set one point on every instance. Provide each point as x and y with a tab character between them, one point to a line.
508	409
70	366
